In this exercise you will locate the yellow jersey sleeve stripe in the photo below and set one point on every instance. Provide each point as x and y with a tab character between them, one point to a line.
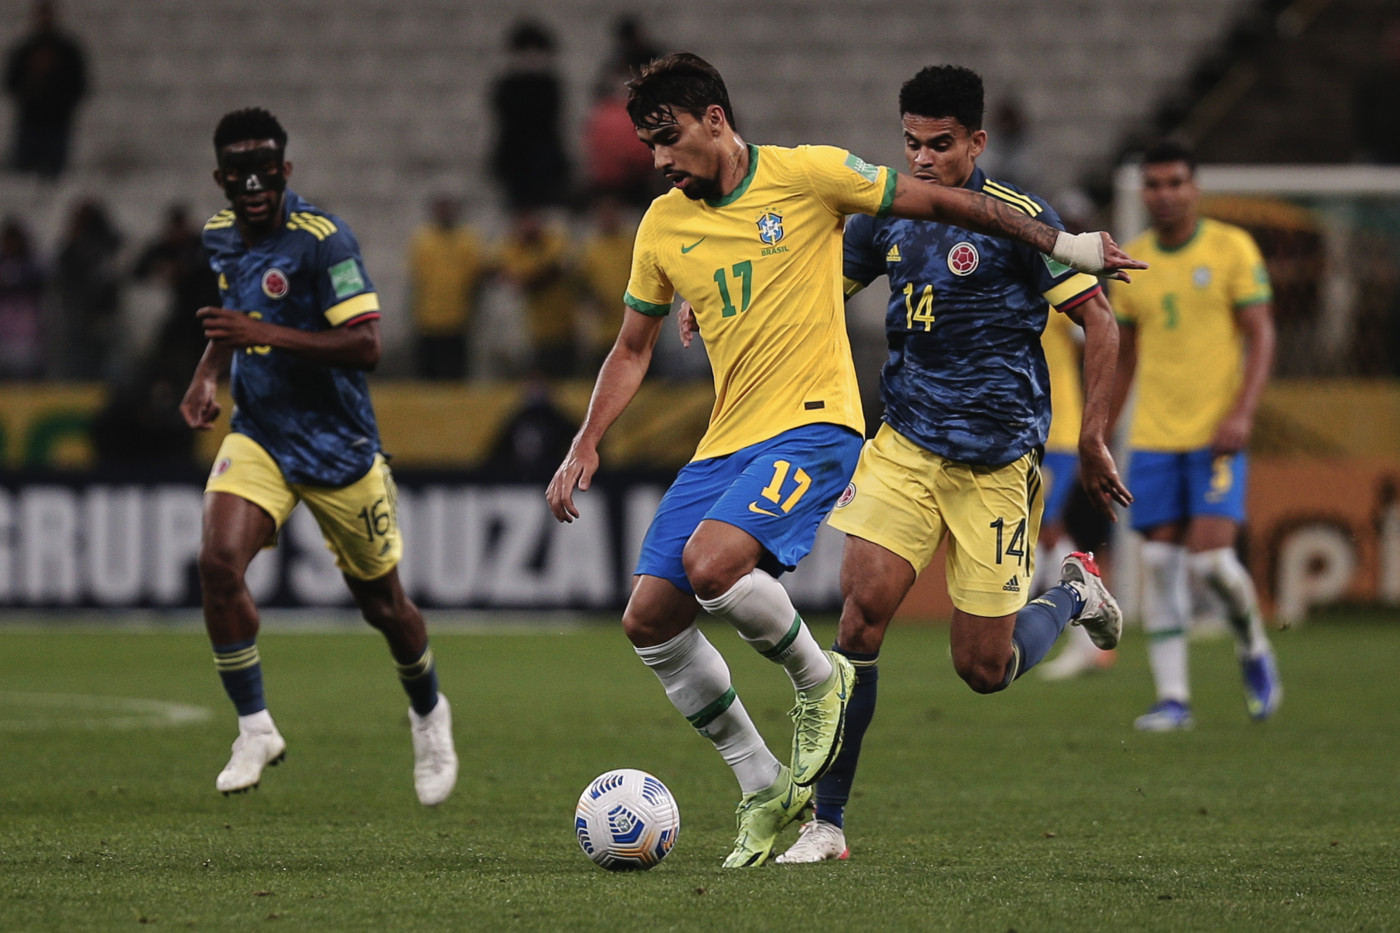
850	286
887	199
646	307
1011	197
220	220
321	223
1076	286
352	308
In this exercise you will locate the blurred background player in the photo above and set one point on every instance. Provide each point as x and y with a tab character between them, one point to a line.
749	236
1059	476
446	266
967	408
300	328
1198	332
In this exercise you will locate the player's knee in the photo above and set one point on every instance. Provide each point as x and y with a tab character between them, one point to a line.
220	570
984	675
861	630
711	575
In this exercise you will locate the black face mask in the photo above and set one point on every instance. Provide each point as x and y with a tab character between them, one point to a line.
248	172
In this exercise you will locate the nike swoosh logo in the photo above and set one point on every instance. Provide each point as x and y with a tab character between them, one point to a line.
753	507
686	249
788	802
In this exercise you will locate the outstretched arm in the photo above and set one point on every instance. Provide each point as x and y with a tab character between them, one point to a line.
1088	252
618	382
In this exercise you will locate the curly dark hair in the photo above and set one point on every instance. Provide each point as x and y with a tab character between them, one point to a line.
249	123
681	81
944	91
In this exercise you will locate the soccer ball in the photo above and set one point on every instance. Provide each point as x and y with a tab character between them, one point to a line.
626	820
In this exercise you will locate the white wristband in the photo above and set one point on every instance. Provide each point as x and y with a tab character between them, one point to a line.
1082	251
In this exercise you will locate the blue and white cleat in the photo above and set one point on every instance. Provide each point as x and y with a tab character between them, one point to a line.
1166	716
1101	618
1263	691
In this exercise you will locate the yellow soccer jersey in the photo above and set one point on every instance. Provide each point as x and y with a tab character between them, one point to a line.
1061	344
762	269
1189	349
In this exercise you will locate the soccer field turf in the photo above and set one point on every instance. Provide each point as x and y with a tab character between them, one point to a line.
1036	809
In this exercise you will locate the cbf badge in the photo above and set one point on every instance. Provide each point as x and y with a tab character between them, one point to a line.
770	228
275	283
963	258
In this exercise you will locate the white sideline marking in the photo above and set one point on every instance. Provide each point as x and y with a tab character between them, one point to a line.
104	712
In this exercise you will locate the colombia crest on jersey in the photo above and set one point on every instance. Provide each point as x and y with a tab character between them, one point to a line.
315	420
966	376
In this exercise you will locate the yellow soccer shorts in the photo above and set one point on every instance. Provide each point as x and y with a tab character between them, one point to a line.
907	500
360	522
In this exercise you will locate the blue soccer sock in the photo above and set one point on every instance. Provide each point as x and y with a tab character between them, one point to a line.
834	790
1039	624
420	681
240	668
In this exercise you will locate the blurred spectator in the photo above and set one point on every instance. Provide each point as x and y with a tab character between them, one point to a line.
21	305
632	48
87	279
446	265
140	423
534	260
1377	101
1010	154
527	101
176	257
604	267
616	162
535	438
46	74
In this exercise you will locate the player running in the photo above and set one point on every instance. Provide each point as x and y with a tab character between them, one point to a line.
300	329
967	410
1199	332
751	235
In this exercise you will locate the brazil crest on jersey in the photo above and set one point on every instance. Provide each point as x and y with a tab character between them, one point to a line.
966	376
315	420
761	268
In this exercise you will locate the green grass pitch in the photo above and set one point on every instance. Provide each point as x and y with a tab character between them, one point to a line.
1036	809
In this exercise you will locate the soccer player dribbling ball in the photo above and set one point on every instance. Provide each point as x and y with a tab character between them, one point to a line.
298	332
751	236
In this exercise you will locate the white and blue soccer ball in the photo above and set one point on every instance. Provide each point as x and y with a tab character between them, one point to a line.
627	820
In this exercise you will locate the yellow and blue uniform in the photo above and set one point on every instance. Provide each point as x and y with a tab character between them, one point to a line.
967	397
762	269
1058	469
1189	369
303	430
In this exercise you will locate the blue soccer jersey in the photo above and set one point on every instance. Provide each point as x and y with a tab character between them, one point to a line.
315	420
966	375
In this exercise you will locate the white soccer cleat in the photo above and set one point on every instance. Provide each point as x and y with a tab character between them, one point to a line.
1101	618
254	749
820	842
434	757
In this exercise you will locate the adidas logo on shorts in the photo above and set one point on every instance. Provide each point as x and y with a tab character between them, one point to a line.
1013	585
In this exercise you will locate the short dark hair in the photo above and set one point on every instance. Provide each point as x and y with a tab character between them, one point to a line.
239	126
681	81
1170	150
944	91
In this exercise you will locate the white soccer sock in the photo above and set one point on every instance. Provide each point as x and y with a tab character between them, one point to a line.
697	683
1165	609
1221	570
261	721
759	609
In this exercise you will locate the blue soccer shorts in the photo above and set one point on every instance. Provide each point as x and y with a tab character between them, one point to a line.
1059	472
1171	486
778	491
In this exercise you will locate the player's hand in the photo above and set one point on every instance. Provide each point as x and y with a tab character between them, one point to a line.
1232	435
1095	253
685	324
575	472
200	406
1099	476
233	329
